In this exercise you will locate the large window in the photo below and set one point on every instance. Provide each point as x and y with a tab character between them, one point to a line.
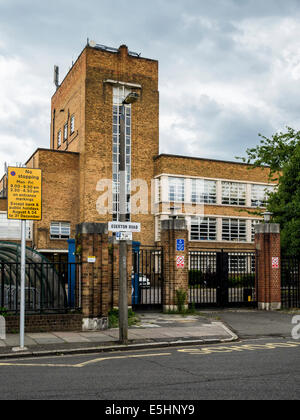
259	195
203	229
176	190
119	94
60	230
234	230
234	193
204	191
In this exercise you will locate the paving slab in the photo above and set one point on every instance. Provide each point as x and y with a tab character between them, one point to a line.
72	338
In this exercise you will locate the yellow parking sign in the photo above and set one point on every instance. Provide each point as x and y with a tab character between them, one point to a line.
24	200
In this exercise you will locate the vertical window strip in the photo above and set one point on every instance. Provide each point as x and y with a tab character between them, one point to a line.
119	94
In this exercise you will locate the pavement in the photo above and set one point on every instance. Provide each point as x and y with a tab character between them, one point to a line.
159	330
154	330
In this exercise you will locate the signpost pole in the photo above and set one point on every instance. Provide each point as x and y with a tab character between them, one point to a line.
23	273
123	299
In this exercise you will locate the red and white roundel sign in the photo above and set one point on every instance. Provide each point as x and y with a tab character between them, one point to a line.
275	262
180	262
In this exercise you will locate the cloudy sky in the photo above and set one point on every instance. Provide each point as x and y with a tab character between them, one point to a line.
229	69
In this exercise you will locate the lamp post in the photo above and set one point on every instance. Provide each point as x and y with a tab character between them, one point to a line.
123	295
267	216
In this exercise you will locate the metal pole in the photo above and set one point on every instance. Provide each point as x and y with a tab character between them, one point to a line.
22	299
123	294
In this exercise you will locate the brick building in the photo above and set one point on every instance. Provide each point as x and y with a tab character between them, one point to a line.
80	170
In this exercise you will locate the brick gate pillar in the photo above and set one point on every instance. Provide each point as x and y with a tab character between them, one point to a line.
92	239
176	261
114	273
268	271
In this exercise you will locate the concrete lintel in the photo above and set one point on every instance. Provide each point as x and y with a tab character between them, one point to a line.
92	228
267	228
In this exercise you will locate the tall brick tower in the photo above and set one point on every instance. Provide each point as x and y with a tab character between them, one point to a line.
85	119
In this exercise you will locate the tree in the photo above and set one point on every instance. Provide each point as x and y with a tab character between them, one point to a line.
282	154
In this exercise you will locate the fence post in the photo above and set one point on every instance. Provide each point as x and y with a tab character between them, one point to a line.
268	272
175	244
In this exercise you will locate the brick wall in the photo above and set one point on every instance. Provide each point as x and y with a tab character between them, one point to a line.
45	323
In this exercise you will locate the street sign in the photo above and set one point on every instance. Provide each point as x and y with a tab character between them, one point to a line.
180	245
24	194
180	262
124	236
124	227
275	262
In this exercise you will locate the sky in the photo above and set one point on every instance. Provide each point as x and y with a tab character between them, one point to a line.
229	69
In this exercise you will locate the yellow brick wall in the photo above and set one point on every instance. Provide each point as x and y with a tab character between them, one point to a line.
210	169
60	194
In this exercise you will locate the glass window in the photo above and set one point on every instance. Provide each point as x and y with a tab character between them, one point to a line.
119	94
233	193
59	138
65	131
253	224
204	191
234	230
60	230
259	195
176	190
203	229
72	124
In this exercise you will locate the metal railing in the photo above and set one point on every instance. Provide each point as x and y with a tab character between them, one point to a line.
290	282
49	287
222	278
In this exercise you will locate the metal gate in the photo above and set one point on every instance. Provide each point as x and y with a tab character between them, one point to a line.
222	279
290	282
147	277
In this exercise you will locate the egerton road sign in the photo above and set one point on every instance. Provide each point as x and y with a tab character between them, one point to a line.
124	227
24	194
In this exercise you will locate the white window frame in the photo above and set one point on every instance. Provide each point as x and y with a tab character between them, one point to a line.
59	138
66	134
241	230
202	226
234	194
204	191
72	124
60	230
259	195
178	193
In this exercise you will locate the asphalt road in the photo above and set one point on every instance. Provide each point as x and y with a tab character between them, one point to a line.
252	369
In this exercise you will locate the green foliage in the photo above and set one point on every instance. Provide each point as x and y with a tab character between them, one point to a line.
181	298
3	312
282	154
113	318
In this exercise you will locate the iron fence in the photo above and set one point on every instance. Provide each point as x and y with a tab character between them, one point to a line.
49	287
290	282
222	278
147	277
